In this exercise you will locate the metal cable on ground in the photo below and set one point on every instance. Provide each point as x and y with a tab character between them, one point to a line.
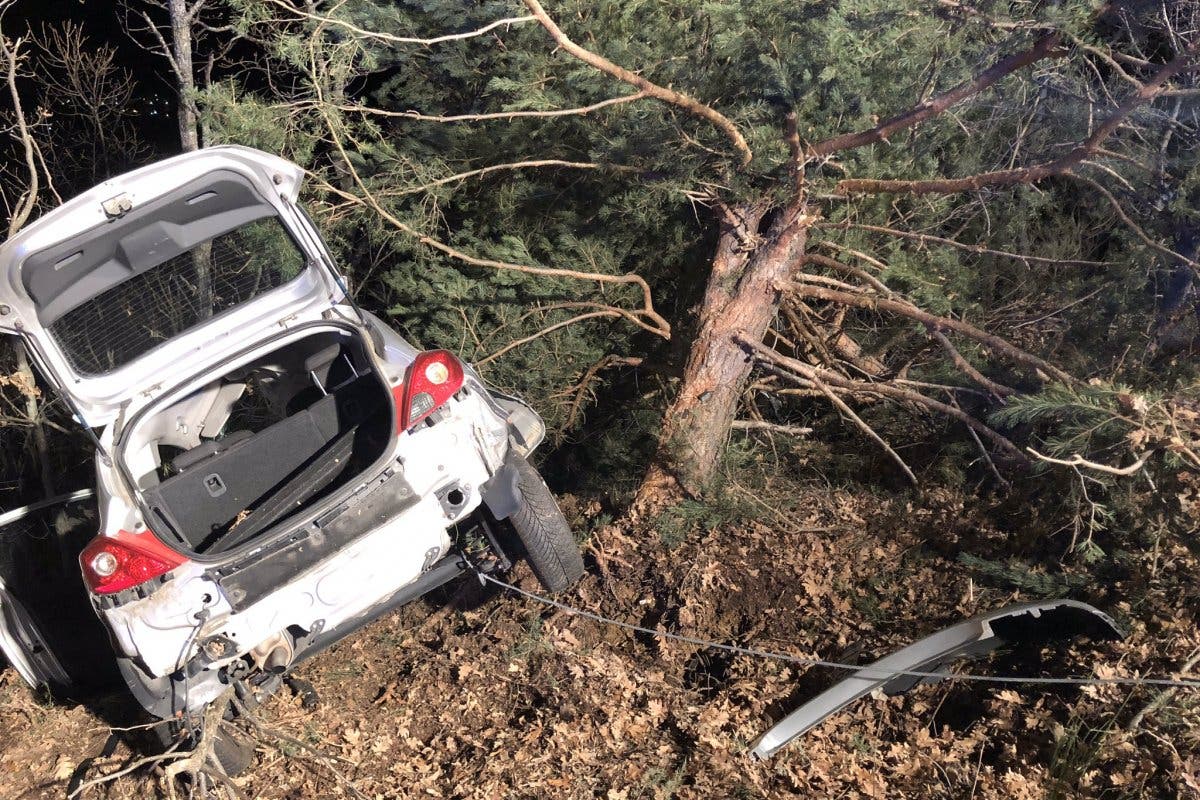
817	662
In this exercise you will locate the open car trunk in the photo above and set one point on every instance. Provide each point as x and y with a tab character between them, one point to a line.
261	443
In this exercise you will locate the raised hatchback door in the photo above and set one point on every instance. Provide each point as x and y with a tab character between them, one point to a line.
156	274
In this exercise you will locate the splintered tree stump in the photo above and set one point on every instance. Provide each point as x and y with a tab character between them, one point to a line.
743	293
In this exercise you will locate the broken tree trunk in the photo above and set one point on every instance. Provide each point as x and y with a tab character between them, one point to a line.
749	271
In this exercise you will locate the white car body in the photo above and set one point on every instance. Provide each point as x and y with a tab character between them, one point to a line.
181	636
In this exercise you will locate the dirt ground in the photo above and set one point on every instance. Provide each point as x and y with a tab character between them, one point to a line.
480	694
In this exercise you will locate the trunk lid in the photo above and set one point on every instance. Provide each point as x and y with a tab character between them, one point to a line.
156	274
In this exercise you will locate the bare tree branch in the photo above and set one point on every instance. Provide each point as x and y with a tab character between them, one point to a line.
392	38
452	118
934	322
1077	460
1133	226
1031	174
461	176
997	389
10	51
649	319
580	390
610	313
162	43
760	425
790	367
861	424
862	275
970	248
1045	47
662	93
1163	697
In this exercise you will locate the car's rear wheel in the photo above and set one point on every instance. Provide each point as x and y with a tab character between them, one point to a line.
234	750
232	747
544	533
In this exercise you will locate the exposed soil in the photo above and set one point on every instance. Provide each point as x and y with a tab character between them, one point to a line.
488	695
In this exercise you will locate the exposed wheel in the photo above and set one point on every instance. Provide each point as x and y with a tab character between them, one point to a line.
233	750
544	533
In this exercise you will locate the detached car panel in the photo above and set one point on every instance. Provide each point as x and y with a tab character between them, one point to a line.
1030	624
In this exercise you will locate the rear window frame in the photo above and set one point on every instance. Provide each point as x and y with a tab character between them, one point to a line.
83	365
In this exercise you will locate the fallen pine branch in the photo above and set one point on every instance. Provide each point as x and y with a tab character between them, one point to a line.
1044	47
1035	172
651	89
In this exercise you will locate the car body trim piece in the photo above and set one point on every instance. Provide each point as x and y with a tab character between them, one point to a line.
22	645
1026	623
9	517
500	493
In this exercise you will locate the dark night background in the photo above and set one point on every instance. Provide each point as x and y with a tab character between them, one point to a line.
153	111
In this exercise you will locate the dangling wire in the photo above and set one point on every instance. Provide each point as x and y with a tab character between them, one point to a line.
818	662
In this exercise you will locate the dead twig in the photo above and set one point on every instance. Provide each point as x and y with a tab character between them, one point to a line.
329	762
757	425
934	322
608	313
977	249
1077	460
1133	226
646	317
580	390
462	176
841	405
1163	697
10	52
1046	46
202	759
497	115
1036	172
391	38
998	389
804	374
862	275
198	762
987	457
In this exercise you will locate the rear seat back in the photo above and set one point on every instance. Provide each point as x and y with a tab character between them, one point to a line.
189	458
214	487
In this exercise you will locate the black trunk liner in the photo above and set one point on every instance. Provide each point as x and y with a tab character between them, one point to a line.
204	502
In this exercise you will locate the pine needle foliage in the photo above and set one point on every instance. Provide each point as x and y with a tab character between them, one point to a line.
839	65
1014	574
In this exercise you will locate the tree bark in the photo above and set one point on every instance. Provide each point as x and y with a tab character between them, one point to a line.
181	47
749	272
33	412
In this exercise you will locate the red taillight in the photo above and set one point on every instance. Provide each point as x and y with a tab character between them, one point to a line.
115	563
432	379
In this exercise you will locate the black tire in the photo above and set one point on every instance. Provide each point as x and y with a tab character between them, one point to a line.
544	533
233	750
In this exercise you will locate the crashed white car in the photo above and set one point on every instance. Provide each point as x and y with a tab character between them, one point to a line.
275	467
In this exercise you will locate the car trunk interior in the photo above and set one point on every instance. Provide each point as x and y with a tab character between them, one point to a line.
261	443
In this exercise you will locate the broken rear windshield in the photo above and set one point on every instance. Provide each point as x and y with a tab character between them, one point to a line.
133	317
